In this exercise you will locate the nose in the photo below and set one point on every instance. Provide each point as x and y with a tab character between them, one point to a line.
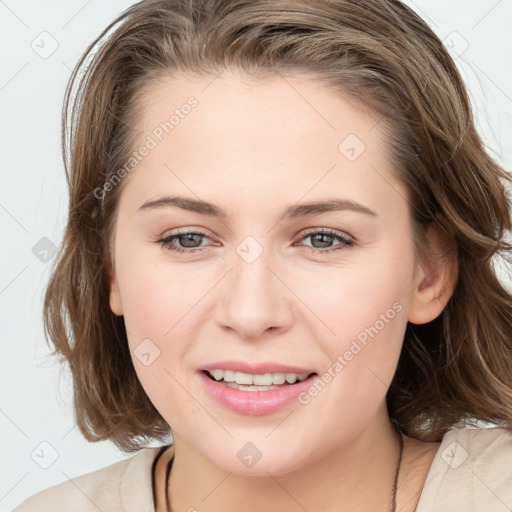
255	299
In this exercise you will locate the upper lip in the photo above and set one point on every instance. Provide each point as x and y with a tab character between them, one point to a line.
256	368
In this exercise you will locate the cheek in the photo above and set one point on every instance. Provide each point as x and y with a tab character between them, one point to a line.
356	294
363	318
158	298
158	313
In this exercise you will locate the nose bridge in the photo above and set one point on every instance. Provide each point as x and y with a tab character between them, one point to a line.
254	298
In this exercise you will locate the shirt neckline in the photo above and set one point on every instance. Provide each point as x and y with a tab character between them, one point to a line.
138	490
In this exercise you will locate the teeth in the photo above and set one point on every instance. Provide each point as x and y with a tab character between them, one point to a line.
247	379
234	385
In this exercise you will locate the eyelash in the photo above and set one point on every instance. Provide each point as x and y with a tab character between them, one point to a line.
346	243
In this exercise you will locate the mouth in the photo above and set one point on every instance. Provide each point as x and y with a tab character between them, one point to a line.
256	382
255	393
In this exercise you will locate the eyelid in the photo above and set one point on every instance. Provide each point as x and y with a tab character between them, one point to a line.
347	241
327	231
302	233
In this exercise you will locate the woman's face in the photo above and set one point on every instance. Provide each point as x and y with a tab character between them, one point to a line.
261	284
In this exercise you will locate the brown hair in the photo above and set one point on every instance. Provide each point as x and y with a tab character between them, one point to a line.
453	369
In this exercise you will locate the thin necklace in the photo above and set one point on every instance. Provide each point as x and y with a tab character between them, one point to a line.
392	504
392	501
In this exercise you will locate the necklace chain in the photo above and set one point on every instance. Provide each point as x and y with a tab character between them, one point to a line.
392	501
392	504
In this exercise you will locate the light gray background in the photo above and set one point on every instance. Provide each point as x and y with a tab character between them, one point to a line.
36	406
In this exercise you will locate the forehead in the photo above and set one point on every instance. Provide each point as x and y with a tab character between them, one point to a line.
292	134
290	105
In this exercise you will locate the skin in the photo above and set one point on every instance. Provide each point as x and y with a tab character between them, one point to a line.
255	149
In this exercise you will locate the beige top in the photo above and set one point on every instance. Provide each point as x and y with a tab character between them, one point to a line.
471	472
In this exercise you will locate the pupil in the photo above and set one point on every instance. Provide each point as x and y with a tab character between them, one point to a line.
188	238
319	238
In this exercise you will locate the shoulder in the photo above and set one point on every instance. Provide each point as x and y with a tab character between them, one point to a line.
472	470
105	489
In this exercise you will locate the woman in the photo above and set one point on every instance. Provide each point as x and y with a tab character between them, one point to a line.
279	251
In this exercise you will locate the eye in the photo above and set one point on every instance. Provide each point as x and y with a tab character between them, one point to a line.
325	237
190	241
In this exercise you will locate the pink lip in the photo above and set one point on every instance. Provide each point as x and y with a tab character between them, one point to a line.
256	368
254	403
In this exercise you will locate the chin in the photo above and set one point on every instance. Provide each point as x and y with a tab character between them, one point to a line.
251	461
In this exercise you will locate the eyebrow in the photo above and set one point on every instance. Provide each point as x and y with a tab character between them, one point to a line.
293	211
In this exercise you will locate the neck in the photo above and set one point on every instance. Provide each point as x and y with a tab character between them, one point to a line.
356	476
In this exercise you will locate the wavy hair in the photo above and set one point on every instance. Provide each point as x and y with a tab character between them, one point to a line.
454	369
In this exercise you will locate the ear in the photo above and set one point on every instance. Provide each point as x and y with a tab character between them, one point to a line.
436	277
115	296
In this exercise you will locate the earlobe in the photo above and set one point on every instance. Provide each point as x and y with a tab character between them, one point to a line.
115	297
436	282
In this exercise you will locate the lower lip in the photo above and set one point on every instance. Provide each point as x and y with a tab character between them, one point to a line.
255	403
